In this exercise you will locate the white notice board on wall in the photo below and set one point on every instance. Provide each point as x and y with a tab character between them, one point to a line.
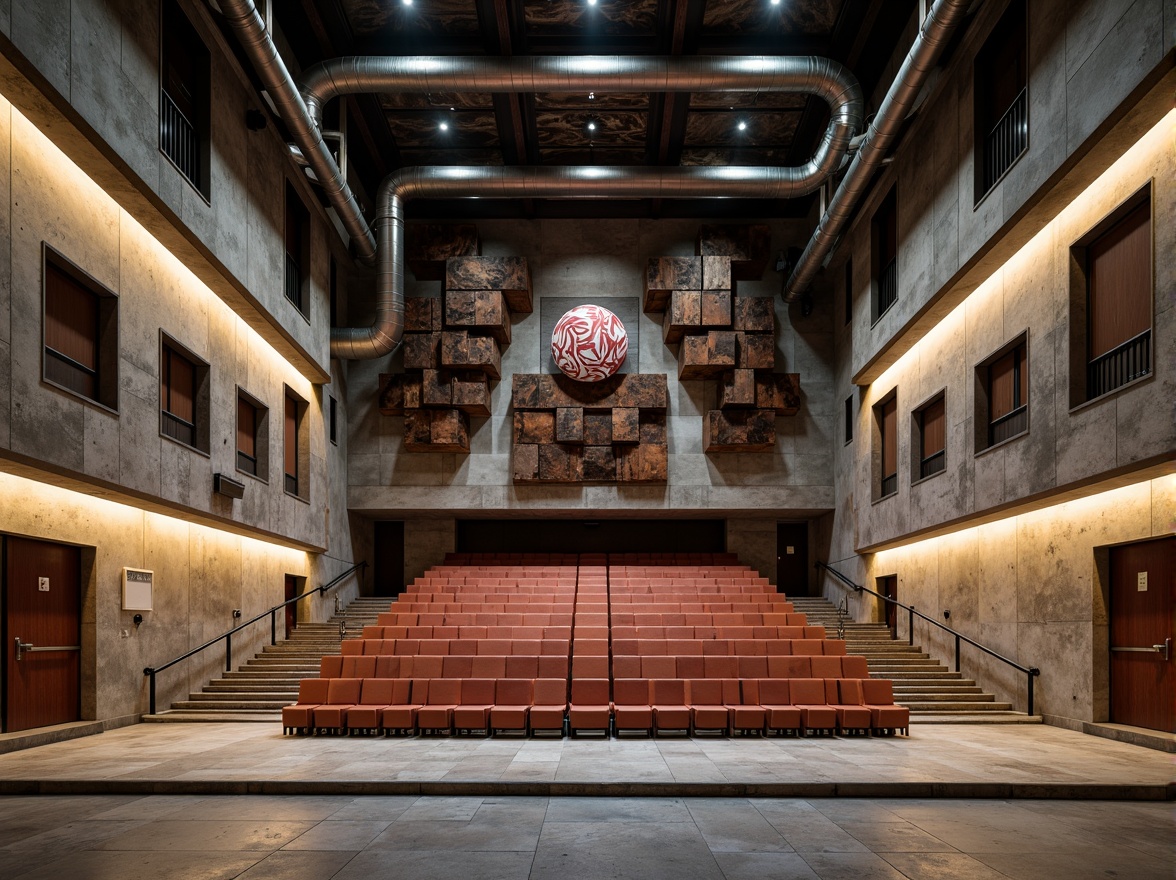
138	586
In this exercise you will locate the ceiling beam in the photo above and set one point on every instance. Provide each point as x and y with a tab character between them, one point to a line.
679	23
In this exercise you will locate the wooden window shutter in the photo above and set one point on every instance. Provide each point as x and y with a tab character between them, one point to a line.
1120	282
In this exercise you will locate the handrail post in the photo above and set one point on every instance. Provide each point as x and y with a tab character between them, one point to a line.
229	653
273	626
151	690
1030	712
957	641
910	624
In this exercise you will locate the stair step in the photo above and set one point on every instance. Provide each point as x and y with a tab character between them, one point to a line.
266	716
271	705
975	718
958	706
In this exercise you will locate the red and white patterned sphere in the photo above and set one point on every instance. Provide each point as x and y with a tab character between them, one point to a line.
589	343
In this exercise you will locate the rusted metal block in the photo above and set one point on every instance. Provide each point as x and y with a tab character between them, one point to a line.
460	350
511	275
626	425
471	393
546	391
683	316
561	464
436	430
748	246
779	392
598	428
422	314
737	388
739	430
436	388
569	425
525	461
600	464
422	351
399	392
666	274
653	427
534	427
716	308
754	314
756	351
481	311
429	245
644	463
716	273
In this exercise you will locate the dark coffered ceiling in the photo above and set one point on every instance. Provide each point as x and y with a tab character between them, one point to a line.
387	132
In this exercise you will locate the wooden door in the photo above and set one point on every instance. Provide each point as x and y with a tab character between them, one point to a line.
792	569
389	558
1143	626
291	609
42	609
888	586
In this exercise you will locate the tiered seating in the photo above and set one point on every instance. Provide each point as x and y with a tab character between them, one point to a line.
690	644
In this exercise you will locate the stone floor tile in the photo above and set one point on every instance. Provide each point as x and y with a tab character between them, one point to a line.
300	808
431	865
591	809
764	866
815	833
850	866
442	808
446	836
209	835
96	865
895	837
729	825
376	807
620	850
1084	863
344	835
287	865
940	866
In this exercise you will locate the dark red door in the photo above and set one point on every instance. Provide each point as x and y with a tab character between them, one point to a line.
792	568
42	608
1143	625
888	586
291	609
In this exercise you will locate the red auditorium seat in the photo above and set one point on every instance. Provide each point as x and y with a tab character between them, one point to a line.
854	666
512	704
589	709
342	694
690	666
659	666
473	712
376	695
485	666
709	699
358	667
720	667
823	667
457	667
747	715
781	716
631	705
401	718
427	666
671	709
436	713
885	716
312	693
331	666
588	666
845	696
808	695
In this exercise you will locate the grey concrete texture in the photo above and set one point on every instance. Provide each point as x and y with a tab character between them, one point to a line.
605	258
136	837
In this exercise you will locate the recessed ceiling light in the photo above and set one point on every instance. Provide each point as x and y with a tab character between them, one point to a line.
775	2
742	125
452	108
406	2
592	96
591	2
591	125
444	126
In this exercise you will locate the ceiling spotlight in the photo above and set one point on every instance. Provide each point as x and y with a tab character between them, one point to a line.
592	96
742	125
453	108
444	126
591	2
591	125
775	2
406	2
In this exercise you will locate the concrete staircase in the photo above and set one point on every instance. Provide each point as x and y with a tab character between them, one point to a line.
259	689
933	693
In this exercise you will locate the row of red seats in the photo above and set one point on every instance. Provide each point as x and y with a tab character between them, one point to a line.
467	647
798	706
492	618
437	666
722	666
734	647
488	706
467	632
623	631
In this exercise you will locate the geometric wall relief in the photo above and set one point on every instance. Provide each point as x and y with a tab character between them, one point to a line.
453	343
724	336
610	431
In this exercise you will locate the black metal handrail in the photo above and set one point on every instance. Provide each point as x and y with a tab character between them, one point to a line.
178	138
227	637
1007	141
1030	671
1120	365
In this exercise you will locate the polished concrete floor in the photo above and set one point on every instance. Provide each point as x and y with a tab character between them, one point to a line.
127	837
210	801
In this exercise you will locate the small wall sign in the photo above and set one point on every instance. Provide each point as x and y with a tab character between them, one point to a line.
138	588
1141	581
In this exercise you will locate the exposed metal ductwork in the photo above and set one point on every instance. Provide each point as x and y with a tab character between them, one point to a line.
553	182
941	21
302	112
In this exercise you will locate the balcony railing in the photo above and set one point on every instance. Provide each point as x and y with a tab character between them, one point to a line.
246	463
68	373
1007	140
889	485
1009	425
179	429
887	286
1119	366
293	282
178	139
292	484
932	464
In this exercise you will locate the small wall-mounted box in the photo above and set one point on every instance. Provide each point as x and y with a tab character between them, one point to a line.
227	486
138	588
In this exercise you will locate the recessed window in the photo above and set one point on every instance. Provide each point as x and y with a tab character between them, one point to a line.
252	436
930	425
333	425
1001	99
184	96
849	290
295	448
80	332
297	273
849	419
183	396
886	437
1112	271
1002	398
884	255
334	291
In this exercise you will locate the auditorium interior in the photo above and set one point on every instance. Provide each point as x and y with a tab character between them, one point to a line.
709	438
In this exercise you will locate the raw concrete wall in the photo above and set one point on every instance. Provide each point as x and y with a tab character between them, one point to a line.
45	198
201	575
99	62
605	258
1030	587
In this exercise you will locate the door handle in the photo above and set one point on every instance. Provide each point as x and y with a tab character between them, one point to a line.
1165	648
21	647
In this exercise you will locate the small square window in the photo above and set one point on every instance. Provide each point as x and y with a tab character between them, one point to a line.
295	446
252	436
80	332
183	396
930	438
1002	395
884	255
